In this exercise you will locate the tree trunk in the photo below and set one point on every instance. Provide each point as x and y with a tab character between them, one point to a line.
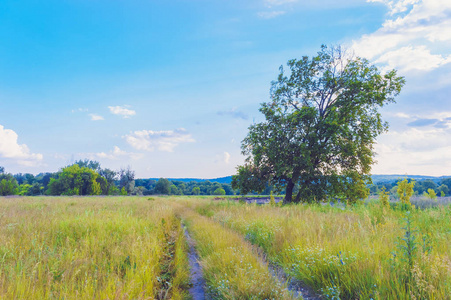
289	192
298	197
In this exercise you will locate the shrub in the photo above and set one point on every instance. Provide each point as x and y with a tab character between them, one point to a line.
272	201
405	191
123	191
431	194
384	197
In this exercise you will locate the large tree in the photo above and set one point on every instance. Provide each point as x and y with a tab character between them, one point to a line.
75	180
127	179
163	186
320	128
109	188
8	184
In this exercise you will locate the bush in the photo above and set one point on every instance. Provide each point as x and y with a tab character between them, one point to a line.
405	191
219	192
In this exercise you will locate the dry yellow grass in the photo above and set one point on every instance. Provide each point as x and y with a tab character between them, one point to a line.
134	248
350	253
84	248
231	269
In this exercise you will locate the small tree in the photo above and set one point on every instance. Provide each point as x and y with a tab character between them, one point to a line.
110	176
36	189
163	186
8	185
384	197
405	191
443	190
174	190
196	190
127	179
431	194
219	192
123	191
272	201
24	189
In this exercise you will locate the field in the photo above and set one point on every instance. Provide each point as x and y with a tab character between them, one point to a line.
136	248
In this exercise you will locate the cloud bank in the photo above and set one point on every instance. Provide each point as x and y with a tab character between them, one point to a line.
114	154
425	143
415	37
11	149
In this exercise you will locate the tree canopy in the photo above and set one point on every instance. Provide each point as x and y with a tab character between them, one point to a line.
320	128
127	179
76	180
8	184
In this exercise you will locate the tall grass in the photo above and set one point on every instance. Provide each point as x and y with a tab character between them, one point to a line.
88	248
134	248
350	253
230	267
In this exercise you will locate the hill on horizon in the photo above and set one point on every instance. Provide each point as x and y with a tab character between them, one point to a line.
395	177
226	179
376	178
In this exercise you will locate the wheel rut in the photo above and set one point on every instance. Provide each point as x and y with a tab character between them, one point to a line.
197	290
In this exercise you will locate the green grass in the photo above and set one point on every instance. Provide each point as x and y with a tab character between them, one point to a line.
231	268
134	248
352	253
80	248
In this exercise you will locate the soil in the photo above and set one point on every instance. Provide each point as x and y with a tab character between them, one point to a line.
197	291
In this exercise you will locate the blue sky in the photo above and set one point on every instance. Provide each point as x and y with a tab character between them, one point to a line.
170	87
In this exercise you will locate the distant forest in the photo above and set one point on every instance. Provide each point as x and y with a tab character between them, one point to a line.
441	186
86	177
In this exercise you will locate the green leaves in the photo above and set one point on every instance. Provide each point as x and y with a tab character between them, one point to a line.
75	180
320	125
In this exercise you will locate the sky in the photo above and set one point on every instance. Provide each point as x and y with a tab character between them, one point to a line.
170	88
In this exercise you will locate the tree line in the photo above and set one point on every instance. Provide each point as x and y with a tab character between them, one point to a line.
164	186
86	177
440	187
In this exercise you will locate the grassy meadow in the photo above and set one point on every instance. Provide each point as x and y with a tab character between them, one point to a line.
90	248
135	248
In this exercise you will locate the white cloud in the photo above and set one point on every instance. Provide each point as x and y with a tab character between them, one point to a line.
416	36
402	115
161	140
114	154
396	6
10	148
424	151
122	111
421	149
413	58
270	14
95	117
226	157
